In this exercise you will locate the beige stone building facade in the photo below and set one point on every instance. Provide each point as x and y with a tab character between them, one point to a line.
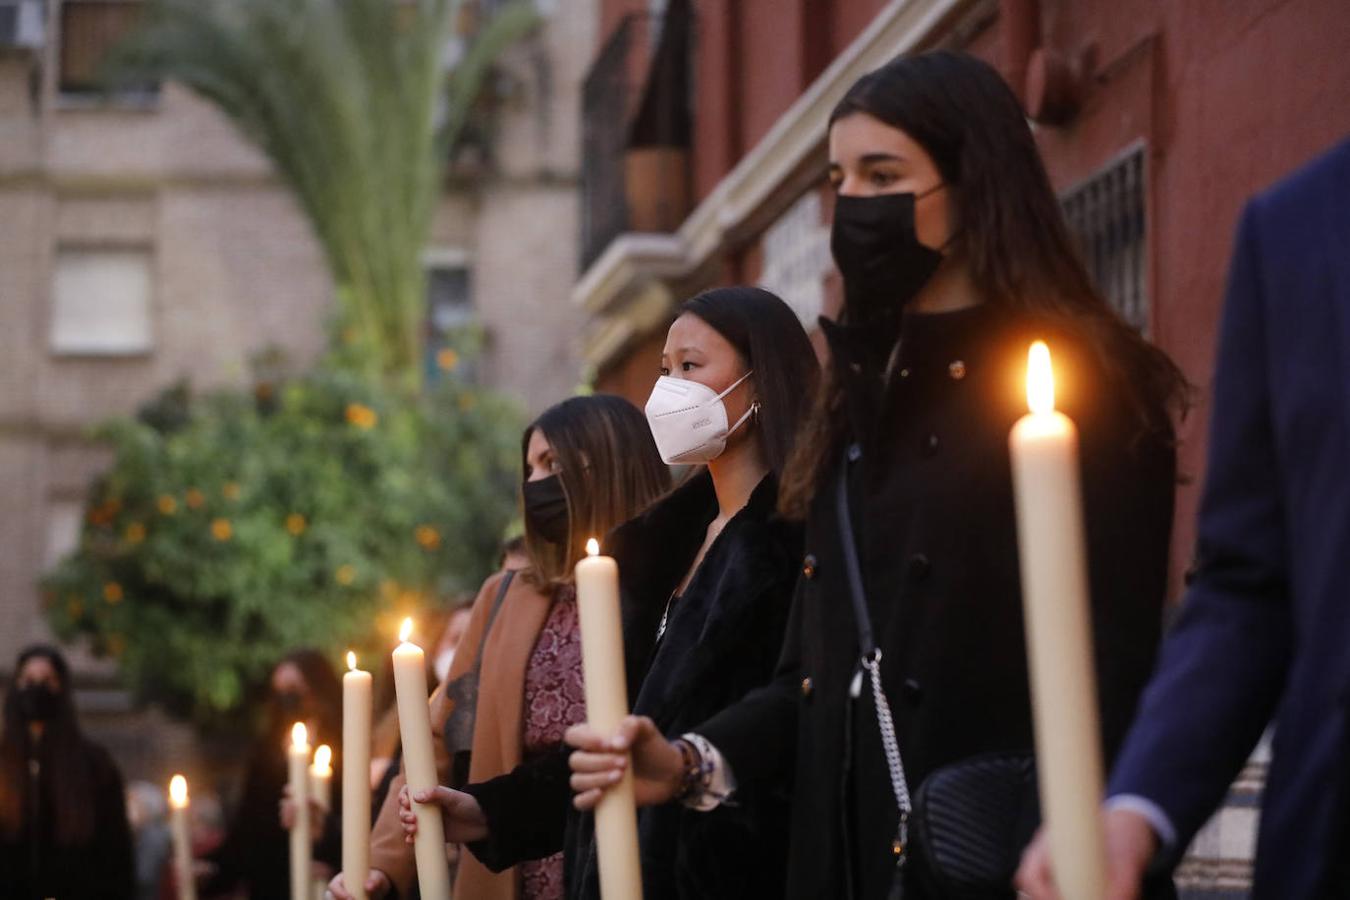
143	241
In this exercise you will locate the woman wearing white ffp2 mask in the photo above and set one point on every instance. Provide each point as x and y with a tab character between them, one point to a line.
689	419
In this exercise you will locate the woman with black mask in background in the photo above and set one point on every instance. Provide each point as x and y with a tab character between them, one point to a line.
955	257
255	854
63	821
588	464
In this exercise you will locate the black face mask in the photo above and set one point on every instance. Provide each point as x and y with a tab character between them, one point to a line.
878	253
38	702
288	703
546	509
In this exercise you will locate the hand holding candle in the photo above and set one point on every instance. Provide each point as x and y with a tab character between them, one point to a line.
297	756
606	705
419	764
181	829
1044	447
356	694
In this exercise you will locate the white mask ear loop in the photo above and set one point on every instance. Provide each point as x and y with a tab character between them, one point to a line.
735	384
753	408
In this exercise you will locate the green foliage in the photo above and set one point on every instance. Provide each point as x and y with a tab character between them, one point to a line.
356	103
233	527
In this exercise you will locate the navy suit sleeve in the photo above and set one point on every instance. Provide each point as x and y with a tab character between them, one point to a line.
1222	669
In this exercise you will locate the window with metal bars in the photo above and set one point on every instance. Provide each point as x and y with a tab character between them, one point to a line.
1106	213
89	29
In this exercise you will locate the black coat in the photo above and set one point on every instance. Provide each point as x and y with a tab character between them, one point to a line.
33	865
933	512
722	640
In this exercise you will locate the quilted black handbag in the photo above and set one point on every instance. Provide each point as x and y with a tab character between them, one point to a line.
970	823
463	696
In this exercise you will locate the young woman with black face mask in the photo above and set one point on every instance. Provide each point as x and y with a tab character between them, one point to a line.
63	821
706	577
955	257
255	855
589	463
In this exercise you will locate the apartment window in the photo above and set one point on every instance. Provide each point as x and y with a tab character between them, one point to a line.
450	319
65	518
22	24
89	29
101	302
1106	213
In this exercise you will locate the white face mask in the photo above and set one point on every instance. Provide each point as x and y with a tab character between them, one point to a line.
689	421
442	664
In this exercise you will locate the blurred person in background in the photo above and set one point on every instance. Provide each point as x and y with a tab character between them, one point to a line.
255	855
63	819
148	813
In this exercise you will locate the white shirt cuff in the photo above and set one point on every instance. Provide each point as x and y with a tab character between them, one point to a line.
1153	813
720	784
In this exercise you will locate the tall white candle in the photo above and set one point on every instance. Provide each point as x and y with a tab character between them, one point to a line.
356	686
419	764
606	705
181	830
297	756
321	777
1044	447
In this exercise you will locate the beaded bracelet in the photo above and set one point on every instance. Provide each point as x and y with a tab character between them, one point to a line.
692	781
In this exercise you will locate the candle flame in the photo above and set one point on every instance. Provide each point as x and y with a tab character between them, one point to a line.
299	735
406	630
323	760
178	795
1040	379
351	661
592	547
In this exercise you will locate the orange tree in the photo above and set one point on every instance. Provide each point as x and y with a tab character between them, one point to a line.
233	527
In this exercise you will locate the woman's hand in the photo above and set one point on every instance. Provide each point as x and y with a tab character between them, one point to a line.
599	761
377	886
463	818
317	814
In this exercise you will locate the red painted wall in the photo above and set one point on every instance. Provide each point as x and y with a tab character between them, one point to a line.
1230	95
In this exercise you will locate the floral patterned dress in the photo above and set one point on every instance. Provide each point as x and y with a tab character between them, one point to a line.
554	701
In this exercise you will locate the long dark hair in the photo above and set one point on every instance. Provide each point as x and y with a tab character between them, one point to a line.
610	471
771	341
63	752
325	692
1013	235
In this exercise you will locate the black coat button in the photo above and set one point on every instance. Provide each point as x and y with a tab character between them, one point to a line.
912	691
929	445
919	567
808	687
809	565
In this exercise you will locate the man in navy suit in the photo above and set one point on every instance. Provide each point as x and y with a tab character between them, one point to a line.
1264	631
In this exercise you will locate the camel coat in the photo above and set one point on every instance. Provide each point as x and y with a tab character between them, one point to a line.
497	736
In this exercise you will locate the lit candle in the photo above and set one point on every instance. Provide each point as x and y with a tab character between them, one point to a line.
182	839
1044	447
419	764
321	777
355	778
297	755
606	705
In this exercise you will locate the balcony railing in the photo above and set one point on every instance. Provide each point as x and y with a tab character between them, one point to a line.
609	97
